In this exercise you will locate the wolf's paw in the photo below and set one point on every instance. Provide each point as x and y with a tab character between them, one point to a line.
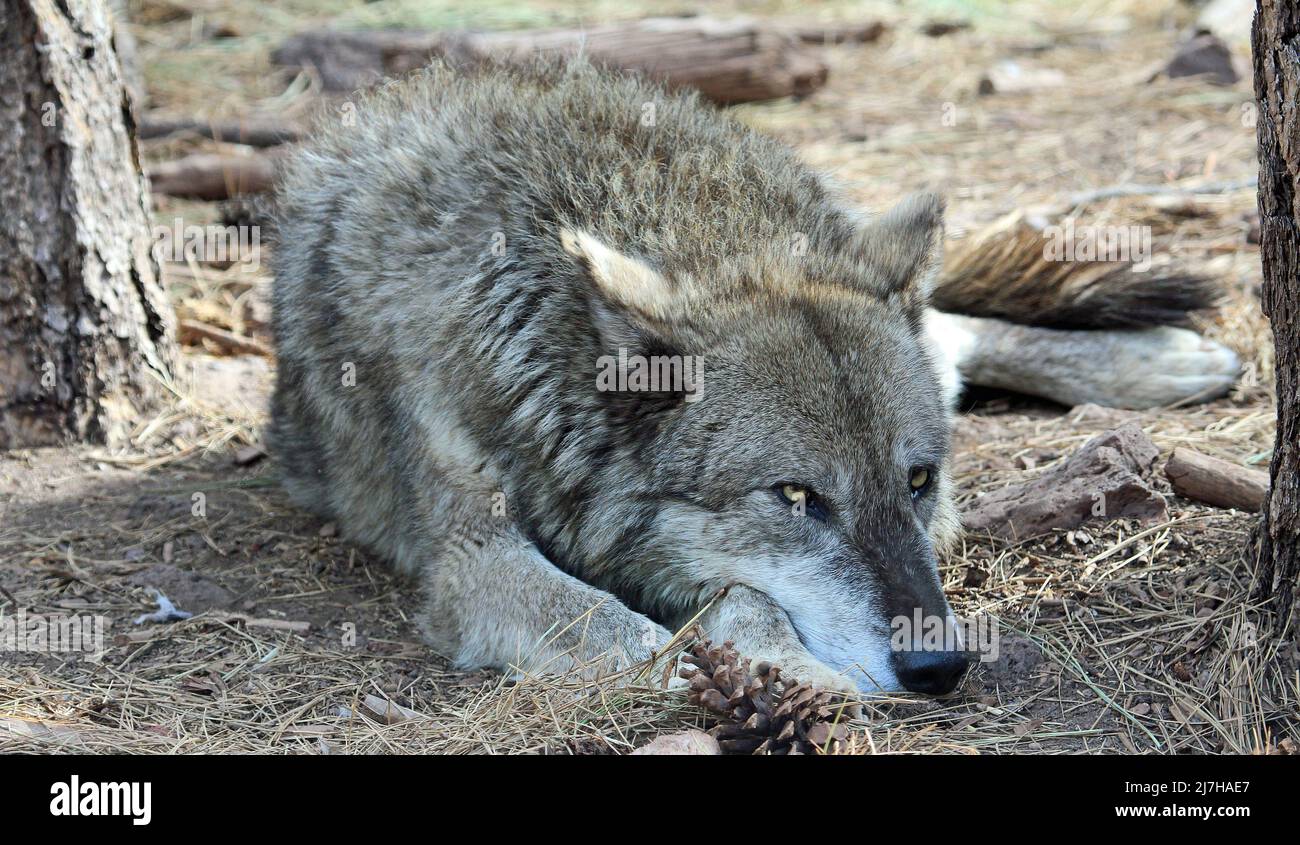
1163	366
820	675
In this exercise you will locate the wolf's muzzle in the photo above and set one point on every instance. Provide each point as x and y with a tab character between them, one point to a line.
930	672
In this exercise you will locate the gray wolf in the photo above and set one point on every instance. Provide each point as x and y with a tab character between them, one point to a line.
458	267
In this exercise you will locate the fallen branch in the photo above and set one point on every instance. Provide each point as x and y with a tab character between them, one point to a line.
729	61
211	176
262	132
1133	190
295	626
1216	482
192	332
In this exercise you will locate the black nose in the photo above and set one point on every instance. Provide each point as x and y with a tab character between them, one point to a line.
930	672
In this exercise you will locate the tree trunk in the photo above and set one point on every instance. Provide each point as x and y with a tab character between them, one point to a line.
1277	89
86	333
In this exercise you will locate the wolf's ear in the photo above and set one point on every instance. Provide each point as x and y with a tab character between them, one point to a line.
624	281
903	249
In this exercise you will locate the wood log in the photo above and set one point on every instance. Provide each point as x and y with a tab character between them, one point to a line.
729	61
213	176
259	132
1216	482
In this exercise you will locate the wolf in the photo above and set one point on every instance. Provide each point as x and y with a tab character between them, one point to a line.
455	263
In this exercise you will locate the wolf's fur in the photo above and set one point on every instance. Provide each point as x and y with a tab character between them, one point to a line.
1005	270
452	266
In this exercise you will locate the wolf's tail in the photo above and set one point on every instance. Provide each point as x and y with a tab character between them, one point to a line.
1009	271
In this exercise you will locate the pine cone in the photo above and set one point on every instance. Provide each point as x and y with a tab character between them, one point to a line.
764	712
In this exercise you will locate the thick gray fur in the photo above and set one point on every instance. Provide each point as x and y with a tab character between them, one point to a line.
450	268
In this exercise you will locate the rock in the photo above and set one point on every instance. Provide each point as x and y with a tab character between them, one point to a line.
248	455
1105	478
1205	55
691	742
187	590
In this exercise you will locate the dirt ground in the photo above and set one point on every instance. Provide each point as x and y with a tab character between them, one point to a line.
1116	637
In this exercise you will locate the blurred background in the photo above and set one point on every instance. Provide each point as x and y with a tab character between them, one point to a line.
1005	107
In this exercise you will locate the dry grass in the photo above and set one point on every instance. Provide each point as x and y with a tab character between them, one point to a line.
1115	638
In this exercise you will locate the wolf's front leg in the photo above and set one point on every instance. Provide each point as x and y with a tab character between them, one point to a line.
762	631
494	600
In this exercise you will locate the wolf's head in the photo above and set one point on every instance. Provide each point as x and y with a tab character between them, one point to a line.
806	452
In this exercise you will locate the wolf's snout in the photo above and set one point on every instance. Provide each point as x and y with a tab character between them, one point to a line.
930	672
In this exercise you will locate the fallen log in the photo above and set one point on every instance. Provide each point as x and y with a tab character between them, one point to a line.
1216	482
213	176
260	132
730	61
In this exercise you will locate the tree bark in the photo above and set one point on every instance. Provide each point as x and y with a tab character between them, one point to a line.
86	333
1276	541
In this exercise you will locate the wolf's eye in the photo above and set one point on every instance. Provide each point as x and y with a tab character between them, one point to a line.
919	481
802	500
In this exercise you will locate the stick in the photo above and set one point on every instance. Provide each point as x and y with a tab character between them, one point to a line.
192	331
728	61
260	132
211	176
1216	482
1086	197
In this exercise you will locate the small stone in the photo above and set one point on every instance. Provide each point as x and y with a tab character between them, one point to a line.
1205	55
690	742
249	455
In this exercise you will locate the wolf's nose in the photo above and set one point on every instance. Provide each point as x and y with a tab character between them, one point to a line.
930	672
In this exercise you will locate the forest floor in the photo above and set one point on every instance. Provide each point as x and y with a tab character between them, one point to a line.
1117	637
